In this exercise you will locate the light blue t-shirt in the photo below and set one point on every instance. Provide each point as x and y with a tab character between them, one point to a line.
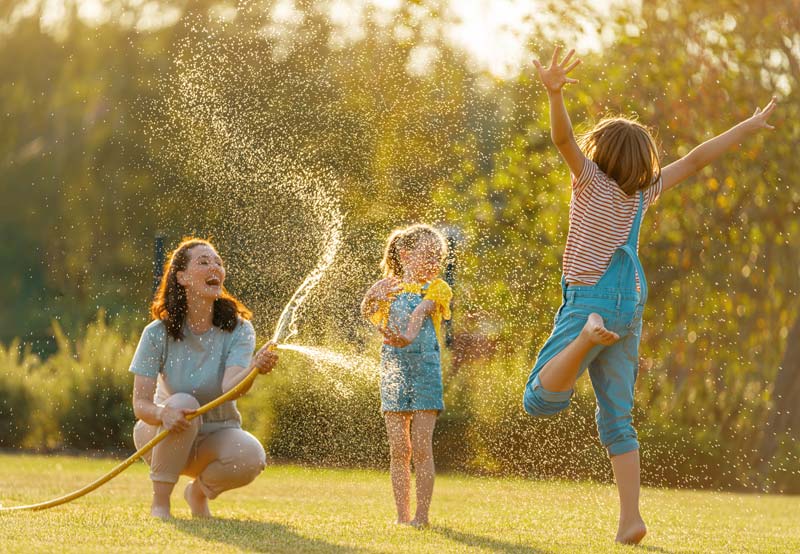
195	365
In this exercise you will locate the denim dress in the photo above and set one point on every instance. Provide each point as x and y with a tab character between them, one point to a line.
411	377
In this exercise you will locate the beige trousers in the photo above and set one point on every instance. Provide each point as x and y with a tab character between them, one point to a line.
218	461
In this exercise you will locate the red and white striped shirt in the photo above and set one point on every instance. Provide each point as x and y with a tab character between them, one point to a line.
600	219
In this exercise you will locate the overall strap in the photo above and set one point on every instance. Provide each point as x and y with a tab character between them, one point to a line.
630	248
633	236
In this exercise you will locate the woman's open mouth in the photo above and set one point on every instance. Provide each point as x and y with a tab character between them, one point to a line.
213	282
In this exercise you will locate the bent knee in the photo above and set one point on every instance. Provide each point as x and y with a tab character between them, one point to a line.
259	458
182	401
251	467
246	465
539	402
252	454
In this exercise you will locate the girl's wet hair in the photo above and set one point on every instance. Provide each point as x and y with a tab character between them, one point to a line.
624	150
407	238
169	304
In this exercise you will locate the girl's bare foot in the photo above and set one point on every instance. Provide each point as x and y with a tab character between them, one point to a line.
419	524
160	511
197	500
595	331
631	532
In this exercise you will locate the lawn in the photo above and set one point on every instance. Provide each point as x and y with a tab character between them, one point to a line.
298	509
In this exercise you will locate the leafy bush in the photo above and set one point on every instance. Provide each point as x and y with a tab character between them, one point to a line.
80	397
16	401
506	440
97	412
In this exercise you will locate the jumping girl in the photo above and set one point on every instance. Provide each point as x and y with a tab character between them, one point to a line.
616	177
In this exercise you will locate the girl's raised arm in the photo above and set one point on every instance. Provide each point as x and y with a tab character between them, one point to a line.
554	78
712	149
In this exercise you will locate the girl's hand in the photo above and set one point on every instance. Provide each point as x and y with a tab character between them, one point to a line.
758	120
393	337
555	77
384	290
266	358
174	419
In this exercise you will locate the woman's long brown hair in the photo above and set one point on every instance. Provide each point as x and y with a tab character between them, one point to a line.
169	304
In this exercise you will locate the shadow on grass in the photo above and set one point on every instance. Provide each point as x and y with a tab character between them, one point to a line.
495	545
257	536
488	543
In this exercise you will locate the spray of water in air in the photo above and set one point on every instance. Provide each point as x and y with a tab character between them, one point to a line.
280	209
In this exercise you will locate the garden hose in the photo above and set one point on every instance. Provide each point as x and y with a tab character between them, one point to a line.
245	383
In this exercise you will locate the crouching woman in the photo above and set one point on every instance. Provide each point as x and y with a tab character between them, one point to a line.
199	346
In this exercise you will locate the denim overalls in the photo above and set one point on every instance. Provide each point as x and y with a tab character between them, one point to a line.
411	377
612	369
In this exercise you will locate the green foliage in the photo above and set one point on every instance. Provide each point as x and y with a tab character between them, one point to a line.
80	397
507	441
16	402
97	412
100	152
312	413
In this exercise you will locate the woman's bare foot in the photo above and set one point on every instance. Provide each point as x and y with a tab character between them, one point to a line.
160	511
631	532
595	331
197	500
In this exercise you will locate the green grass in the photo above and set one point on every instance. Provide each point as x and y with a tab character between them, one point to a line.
294	509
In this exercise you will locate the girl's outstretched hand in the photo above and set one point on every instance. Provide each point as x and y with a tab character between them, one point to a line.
555	77
393	337
758	120
385	289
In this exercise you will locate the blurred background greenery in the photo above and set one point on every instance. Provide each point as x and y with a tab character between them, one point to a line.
410	110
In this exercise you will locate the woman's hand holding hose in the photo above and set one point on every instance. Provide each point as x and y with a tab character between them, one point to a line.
174	419
266	358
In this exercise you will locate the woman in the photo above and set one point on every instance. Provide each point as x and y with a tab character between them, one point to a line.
199	346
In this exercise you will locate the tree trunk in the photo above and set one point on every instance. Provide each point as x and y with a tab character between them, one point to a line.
785	416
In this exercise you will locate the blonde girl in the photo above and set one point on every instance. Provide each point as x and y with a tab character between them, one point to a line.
408	306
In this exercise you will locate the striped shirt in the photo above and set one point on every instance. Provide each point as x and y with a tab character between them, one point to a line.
600	219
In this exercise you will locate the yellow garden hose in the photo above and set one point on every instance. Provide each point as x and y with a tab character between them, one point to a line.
245	383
